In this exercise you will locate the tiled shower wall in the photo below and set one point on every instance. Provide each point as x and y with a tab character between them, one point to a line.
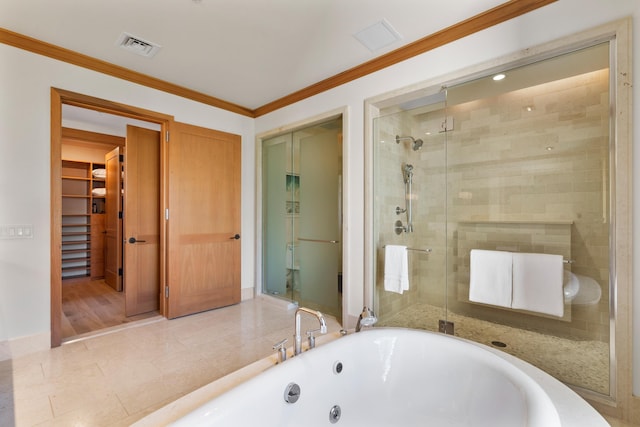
539	155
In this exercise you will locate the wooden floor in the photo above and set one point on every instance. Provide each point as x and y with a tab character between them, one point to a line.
92	305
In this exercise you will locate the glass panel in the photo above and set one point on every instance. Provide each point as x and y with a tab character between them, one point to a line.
320	240
409	187
528	172
302	216
517	167
277	228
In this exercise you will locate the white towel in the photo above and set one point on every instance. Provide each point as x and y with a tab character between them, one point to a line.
537	283
99	192
396	269
491	277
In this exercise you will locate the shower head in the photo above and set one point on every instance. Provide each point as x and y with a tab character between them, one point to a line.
407	172
416	143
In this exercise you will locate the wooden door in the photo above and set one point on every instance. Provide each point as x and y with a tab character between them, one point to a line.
203	263
113	223
141	221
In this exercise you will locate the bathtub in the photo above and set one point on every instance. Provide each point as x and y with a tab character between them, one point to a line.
398	377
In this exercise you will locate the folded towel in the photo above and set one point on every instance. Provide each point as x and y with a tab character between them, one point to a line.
491	277
99	173
99	192
537	283
396	269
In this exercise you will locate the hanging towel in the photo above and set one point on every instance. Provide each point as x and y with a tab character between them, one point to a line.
396	269
491	277
537	283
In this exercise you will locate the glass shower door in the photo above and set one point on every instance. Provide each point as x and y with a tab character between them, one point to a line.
518	178
409	155
277	216
319	238
302	216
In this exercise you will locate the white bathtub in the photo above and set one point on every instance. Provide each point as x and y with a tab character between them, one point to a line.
399	377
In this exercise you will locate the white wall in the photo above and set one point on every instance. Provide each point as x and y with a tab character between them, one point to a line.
25	82
552	22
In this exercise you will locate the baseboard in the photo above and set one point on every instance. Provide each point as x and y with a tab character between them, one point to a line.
247	294
17	347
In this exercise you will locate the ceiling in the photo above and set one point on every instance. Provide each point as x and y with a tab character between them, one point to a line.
247	52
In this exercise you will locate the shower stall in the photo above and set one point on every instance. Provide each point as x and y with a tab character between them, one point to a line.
302	216
521	165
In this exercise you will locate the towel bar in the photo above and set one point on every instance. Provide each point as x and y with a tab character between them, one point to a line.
427	250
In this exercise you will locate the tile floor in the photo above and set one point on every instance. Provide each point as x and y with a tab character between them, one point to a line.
117	378
577	362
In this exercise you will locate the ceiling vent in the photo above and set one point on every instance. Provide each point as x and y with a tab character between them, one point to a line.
137	45
379	35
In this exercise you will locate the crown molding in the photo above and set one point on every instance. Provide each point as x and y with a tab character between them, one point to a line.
482	21
75	58
501	13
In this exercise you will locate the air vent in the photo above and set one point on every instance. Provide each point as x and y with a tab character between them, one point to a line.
137	45
379	35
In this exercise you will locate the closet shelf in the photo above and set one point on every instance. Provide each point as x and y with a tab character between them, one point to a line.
76	242
72	269
75	233
78	259
81	220
79	178
75	251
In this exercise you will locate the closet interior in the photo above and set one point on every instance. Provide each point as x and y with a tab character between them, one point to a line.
90	303
83	211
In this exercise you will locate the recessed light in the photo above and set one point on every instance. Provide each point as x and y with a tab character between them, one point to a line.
498	77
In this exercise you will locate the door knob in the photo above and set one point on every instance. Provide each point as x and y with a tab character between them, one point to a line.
134	240
236	237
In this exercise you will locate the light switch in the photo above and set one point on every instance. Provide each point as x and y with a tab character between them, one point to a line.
17	231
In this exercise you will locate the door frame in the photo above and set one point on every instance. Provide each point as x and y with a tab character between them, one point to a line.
58	98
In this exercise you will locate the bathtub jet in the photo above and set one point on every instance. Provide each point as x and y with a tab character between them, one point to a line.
416	144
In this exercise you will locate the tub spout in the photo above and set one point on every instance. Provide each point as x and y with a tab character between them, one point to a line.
366	318
297	337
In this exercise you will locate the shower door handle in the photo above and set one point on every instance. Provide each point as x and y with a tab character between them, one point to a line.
302	239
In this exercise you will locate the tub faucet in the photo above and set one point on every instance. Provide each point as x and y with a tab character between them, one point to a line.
297	337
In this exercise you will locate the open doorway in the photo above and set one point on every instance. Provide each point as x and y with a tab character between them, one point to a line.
198	250
98	150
